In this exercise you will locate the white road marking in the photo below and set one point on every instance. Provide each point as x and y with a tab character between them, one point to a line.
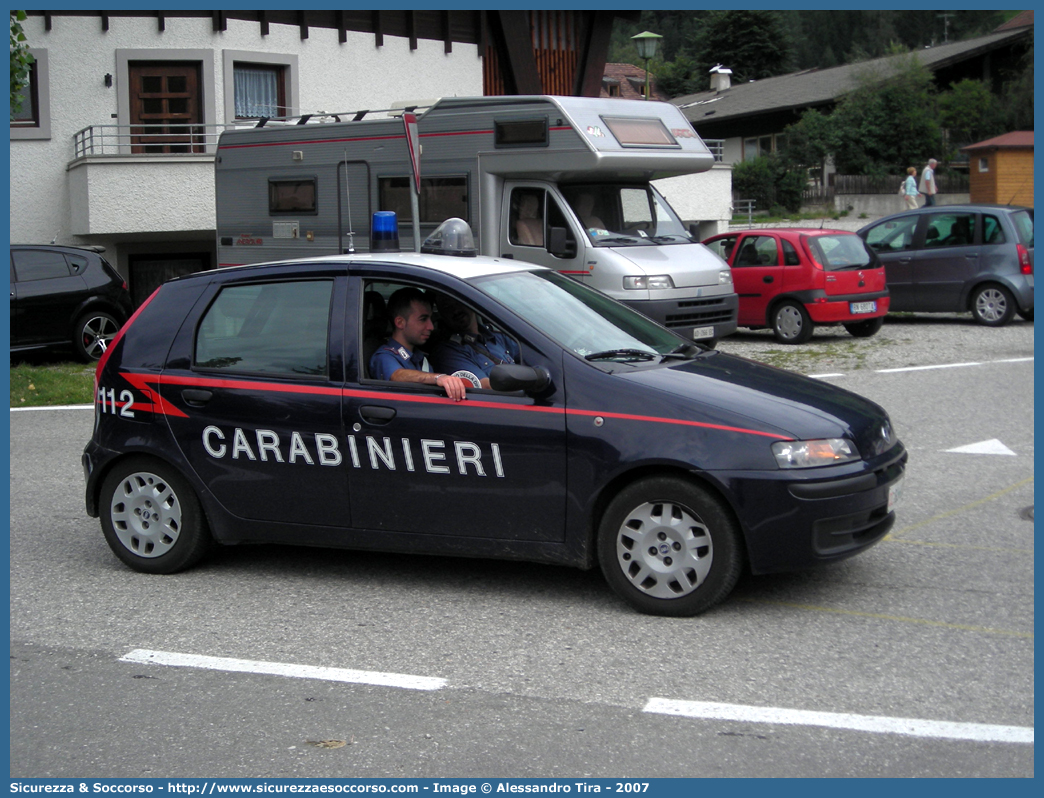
405	681
992	446
53	407
978	732
955	365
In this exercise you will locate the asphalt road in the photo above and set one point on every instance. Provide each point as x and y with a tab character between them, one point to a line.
546	673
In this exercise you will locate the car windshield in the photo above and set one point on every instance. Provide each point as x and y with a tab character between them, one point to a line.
625	215
1024	225
835	253
581	319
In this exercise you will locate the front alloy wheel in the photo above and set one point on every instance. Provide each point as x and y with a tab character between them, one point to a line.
669	547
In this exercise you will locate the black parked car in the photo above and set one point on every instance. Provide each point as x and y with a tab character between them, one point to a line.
62	295
954	258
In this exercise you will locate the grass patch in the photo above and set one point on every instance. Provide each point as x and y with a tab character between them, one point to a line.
52	384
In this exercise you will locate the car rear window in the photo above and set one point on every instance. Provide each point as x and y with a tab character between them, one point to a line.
1024	226
840	252
272	328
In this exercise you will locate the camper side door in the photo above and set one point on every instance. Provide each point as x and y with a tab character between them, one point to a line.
536	228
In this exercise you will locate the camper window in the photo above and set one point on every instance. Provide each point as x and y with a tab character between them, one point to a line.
441	198
520	133
637	132
291	196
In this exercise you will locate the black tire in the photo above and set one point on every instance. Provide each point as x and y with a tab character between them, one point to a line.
791	323
175	537
1026	314
93	333
865	329
992	305
669	547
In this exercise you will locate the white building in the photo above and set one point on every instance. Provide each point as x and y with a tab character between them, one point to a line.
81	174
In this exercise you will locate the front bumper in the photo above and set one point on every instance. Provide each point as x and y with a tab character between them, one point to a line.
685	315
797	519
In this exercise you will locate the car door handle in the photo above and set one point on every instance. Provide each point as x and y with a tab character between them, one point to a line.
377	415
196	397
507	255
768	278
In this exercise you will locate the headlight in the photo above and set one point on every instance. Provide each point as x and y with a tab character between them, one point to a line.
655	282
812	454
725	277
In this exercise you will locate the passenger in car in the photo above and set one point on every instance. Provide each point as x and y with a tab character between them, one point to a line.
529	228
400	359
473	349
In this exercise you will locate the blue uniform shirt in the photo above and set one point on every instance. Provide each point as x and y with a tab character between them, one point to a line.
392	356
475	355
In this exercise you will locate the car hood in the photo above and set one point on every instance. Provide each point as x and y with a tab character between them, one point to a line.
688	265
737	392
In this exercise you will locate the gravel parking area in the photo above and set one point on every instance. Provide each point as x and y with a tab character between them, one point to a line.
907	339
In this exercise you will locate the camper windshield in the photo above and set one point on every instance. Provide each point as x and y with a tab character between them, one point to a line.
616	215
586	321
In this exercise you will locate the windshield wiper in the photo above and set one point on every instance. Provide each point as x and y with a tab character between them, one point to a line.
609	354
672	237
620	240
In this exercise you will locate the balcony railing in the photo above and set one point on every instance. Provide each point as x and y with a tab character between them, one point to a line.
172	140
717	148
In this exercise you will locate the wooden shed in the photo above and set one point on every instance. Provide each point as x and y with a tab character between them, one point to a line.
1001	169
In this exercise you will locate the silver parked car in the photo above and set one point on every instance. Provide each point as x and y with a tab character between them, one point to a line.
948	258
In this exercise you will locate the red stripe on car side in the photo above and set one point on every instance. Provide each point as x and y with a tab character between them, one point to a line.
139	380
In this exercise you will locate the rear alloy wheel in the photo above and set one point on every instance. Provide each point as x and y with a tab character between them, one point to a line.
151	518
993	305
93	334
791	323
669	547
865	329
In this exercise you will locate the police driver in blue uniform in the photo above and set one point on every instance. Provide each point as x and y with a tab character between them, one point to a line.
400	359
473	349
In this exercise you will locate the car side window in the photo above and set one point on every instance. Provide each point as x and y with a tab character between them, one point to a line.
950	230
790	256
992	232
892	236
277	328
527	217
758	251
722	247
39	265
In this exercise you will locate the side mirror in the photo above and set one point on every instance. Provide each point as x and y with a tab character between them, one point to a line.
559	244
515	377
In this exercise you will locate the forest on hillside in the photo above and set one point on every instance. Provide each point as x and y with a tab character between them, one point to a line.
762	43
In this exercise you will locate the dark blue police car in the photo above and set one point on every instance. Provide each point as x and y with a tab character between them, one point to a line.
236	407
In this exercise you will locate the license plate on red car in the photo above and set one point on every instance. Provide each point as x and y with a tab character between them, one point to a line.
862	307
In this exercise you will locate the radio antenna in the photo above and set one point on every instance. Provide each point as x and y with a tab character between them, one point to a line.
348	203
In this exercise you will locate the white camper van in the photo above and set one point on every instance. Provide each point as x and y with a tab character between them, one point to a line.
563	182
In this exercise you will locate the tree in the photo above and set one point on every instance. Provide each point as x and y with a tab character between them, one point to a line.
971	112
809	142
888	123
753	44
21	61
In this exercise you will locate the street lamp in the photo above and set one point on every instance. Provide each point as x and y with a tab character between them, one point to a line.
646	43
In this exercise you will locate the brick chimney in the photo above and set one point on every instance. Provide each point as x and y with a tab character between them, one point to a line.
720	80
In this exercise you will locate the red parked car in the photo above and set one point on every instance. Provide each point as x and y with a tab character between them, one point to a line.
791	279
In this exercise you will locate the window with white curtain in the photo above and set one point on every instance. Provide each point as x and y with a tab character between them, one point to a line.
258	91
